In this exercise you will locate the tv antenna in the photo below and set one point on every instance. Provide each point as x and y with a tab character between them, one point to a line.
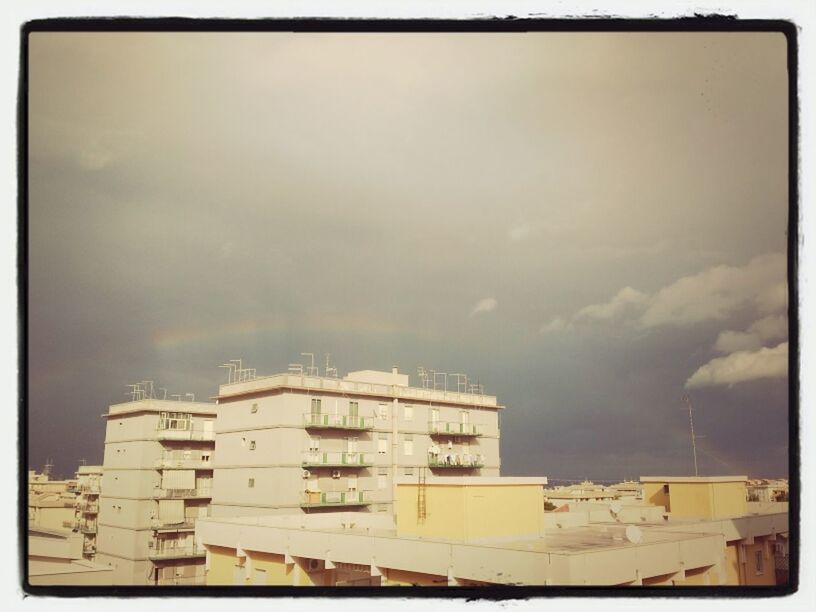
231	367
687	399
330	371
461	382
311	370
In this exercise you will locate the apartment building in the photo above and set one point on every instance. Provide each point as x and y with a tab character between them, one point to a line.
306	443
87	488
479	531
156	481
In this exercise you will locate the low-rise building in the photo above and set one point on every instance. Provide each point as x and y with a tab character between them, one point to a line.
585	491
483	531
55	558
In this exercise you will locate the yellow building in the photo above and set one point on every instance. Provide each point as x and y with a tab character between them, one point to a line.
481	531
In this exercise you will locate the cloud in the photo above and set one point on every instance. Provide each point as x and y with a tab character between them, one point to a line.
555	325
742	366
488	304
774	327
627	300
715	294
519	232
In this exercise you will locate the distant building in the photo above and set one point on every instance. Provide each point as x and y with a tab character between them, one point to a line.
767	490
88	486
157	480
299	442
55	558
585	491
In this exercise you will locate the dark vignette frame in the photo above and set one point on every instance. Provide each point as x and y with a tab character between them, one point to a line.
509	24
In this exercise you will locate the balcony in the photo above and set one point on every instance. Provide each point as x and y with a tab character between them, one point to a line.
89	508
89	548
455	461
167	463
70	524
160	524
184	434
447	428
337	421
181	552
89	489
326	499
318	459
182	493
88	528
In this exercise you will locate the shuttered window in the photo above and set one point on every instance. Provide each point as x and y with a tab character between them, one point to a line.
171	510
178	479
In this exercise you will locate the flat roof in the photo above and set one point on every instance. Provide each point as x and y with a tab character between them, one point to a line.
475	481
700	479
157	405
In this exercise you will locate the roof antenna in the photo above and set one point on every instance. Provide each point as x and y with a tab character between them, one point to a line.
691	427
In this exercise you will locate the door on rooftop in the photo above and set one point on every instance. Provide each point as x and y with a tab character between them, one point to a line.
315	405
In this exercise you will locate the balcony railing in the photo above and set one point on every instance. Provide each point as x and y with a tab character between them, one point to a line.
160	524
89	548
181	493
320	459
185	434
448	428
88	528
190	464
182	552
92	489
337	421
454	461
89	508
70	524
316	499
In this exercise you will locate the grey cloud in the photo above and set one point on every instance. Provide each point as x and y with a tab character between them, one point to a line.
742	366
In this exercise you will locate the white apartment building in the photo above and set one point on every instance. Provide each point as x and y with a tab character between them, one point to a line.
156	481
88	484
308	443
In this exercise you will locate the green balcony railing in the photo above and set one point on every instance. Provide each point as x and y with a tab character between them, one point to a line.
337	421
335	459
454	461
450	428
314	499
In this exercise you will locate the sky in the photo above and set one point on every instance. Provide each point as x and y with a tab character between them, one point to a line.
590	225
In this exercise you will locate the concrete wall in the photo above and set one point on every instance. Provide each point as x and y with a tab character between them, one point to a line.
700	499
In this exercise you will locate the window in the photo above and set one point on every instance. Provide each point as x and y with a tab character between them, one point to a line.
251	483
252	445
382	411
352	483
665	489
315	405
351	445
382	445
408	446
205	458
254	408
314	443
759	562
354	409
409	412
175	420
382	481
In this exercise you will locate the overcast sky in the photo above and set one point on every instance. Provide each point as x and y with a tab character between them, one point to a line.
589	224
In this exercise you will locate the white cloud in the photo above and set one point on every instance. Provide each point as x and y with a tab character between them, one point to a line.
742	366
519	232
555	325
627	300
486	305
774	327
716	293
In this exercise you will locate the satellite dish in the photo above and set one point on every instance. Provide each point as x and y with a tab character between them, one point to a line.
634	534
615	507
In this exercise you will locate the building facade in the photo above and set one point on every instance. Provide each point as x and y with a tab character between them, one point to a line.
305	443
156	481
87	487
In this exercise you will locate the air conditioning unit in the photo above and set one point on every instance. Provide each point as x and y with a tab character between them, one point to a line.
306	473
335	473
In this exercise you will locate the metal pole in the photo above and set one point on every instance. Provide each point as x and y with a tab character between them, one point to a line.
691	427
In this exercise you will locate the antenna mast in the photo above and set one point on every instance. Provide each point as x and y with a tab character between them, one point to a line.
691	427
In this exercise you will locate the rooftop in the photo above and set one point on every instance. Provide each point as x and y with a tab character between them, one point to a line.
693	479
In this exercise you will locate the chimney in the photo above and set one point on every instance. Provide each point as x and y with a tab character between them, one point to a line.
394	370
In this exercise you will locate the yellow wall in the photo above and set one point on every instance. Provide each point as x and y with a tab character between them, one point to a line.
53	518
749	572
222	566
277	572
471	511
653	493
699	499
392	577
701	576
